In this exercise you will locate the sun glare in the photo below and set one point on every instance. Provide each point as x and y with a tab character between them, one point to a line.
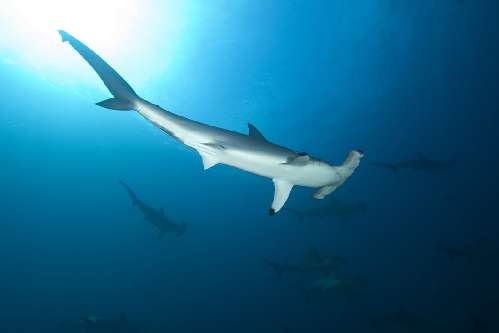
28	29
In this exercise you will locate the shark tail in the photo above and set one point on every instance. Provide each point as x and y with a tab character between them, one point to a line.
183	228
124	97
130	192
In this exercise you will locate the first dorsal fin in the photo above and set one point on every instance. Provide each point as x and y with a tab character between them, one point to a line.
255	133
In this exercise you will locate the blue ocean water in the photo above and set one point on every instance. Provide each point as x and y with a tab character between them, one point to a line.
401	81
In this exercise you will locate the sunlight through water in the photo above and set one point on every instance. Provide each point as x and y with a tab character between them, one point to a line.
124	30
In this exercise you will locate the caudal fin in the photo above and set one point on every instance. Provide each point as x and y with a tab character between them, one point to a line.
132	195
124	95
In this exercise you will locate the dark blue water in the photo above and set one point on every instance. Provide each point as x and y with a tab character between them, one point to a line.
393	78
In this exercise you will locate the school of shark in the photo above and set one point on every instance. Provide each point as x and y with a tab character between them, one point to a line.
256	154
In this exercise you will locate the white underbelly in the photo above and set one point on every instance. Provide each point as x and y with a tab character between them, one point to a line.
272	168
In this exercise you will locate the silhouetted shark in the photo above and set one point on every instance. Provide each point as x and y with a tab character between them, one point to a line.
421	163
155	216
454	252
334	282
400	319
335	208
252	153
95	324
469	250
313	262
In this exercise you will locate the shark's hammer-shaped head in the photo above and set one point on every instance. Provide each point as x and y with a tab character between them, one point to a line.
329	177
304	170
351	163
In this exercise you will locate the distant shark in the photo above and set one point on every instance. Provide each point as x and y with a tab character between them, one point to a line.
467	250
155	216
252	153
95	324
329	282
335	208
421	163
453	252
400	319
334	282
313	262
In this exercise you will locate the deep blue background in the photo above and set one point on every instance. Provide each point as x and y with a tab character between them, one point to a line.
392	78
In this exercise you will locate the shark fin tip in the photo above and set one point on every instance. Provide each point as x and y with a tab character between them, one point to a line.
64	35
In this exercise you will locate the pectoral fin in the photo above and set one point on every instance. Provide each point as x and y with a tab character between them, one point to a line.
324	191
281	194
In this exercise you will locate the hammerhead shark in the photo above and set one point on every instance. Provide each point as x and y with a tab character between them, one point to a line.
421	163
334	282
335	208
479	248
95	324
252	153
401	319
313	262
156	217
453	252
330	281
